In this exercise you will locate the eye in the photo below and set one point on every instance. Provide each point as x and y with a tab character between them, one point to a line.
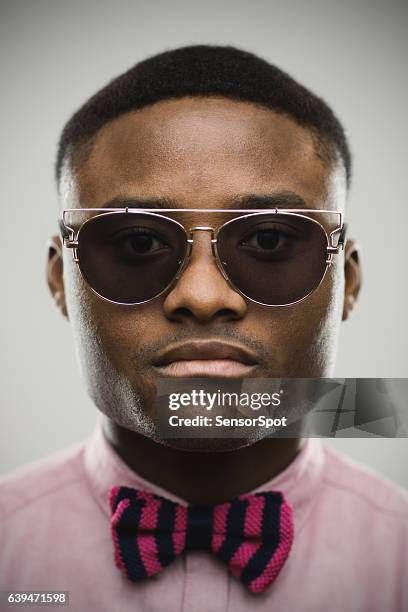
139	242
142	242
266	240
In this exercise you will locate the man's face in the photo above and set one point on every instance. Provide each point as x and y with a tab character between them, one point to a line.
198	153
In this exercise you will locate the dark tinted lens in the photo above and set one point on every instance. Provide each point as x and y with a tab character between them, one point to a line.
273	259
130	257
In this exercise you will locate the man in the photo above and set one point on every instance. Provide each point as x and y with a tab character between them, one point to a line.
202	143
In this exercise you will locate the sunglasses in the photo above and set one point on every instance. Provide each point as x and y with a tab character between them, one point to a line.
274	257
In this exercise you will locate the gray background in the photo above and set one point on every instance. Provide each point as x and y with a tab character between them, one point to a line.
55	54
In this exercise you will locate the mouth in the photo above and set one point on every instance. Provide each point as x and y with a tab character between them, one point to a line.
204	359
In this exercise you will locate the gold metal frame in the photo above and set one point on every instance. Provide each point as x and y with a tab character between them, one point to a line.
70	239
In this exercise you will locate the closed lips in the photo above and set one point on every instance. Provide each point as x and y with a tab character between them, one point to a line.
205	359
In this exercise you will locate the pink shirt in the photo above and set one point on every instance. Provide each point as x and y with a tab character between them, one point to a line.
350	551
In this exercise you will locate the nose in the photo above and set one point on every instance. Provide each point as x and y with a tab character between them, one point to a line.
202	293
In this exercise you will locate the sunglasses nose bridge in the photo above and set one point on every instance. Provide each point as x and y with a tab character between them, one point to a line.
201	228
190	242
214	238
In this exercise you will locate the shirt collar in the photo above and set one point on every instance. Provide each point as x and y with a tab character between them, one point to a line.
298	482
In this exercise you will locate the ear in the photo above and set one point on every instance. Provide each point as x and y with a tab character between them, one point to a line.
352	276
54	273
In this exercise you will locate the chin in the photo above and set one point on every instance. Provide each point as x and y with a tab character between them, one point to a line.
207	445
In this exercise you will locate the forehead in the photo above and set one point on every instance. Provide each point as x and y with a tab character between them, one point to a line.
203	153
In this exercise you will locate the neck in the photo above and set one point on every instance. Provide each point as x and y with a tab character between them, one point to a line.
202	477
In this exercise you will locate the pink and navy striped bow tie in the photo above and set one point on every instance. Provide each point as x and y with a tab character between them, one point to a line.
252	534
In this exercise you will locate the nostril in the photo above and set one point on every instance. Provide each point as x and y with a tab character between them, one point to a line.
230	314
184	313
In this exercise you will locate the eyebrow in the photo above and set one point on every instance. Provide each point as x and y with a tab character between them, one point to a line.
281	199
129	202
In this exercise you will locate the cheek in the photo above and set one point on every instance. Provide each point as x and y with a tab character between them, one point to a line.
318	324
302	339
108	338
95	338
84	320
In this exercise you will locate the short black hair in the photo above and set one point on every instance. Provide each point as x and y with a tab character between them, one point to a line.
206	70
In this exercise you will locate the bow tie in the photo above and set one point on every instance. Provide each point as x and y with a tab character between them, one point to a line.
252	534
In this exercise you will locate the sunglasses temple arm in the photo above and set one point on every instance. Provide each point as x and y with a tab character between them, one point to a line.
63	229
342	237
67	235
